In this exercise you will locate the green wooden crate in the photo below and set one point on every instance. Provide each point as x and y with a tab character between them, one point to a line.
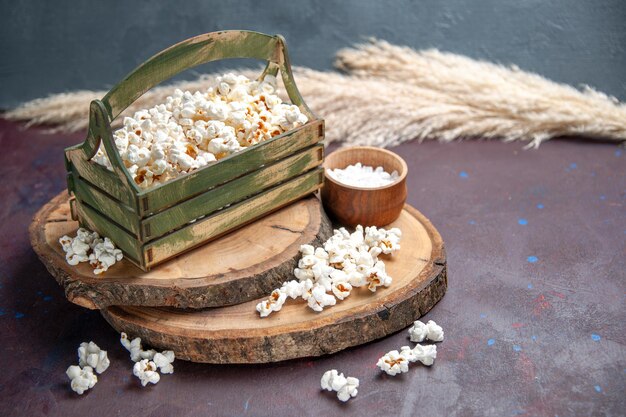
153	225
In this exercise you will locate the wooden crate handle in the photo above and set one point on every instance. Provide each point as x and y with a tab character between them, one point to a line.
199	50
170	62
100	132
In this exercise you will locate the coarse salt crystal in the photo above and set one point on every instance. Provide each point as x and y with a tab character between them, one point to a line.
362	176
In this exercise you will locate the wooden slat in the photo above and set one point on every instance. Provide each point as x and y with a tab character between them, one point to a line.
93	220
235	216
114	209
106	180
231	192
229	168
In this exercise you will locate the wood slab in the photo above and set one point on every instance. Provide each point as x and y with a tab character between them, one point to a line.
237	334
241	266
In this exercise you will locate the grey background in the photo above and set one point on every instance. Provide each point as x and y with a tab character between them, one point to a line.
62	45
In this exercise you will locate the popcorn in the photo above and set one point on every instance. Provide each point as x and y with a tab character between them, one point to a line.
295	289
317	298
146	371
330	273
88	246
346	388
425	354
393	363
408	353
435	332
104	255
420	332
377	277
192	130
341	290
349	390
362	176
314	266
273	303
134	347
148	362
75	248
332	380
387	240
89	354
81	379
164	361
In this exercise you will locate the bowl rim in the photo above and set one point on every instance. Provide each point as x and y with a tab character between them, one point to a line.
401	177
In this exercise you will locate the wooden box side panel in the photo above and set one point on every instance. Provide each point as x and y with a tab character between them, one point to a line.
231	218
105	179
181	214
92	219
117	211
229	168
231	192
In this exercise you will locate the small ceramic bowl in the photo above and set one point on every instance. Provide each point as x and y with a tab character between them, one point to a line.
349	205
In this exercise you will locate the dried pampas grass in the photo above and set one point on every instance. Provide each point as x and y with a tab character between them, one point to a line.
480	99
390	94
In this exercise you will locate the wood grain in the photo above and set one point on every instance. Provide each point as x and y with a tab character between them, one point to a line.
243	265
237	334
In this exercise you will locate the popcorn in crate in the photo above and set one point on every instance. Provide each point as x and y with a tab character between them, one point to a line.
202	164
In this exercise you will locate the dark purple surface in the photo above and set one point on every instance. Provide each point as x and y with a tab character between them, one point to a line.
522	337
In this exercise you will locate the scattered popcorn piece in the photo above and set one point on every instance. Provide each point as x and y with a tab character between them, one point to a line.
426	354
317	298
104	256
332	380
164	361
420	332
362	176
81	379
89	354
435	332
146	371
393	363
192	130
341	290
349	390
293	288
377	277
346	388
408	353
134	347
273	303
314	266
88	246
387	240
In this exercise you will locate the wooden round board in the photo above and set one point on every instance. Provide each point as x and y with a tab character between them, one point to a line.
237	334
241	266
